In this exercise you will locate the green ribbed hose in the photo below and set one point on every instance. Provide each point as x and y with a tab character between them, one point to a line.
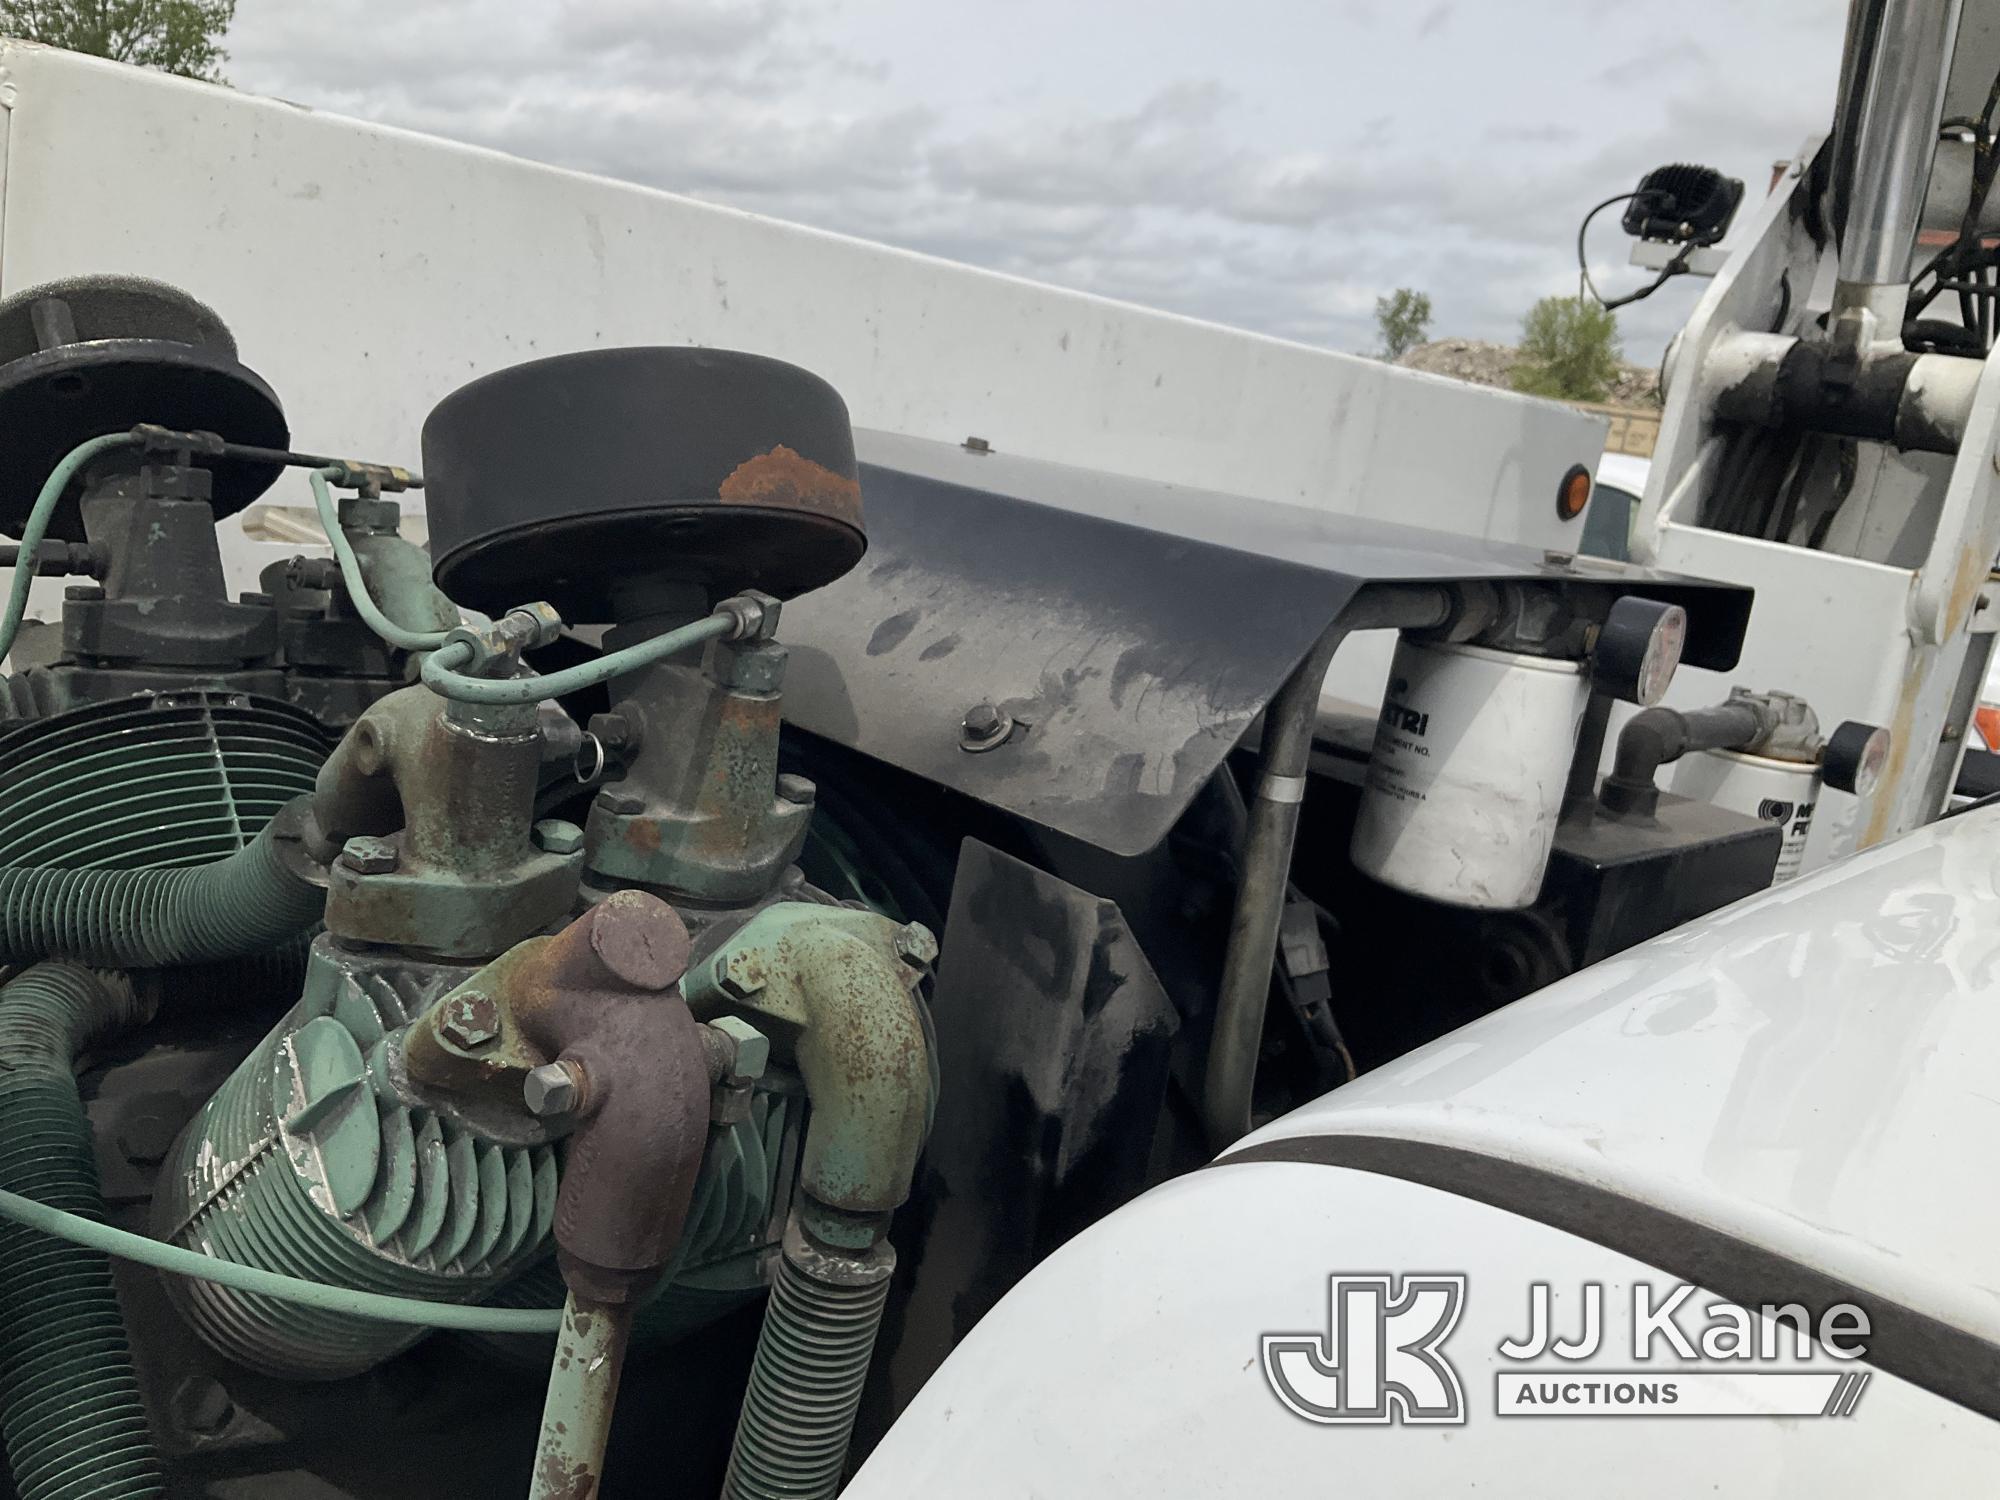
245	904
805	1383
70	1409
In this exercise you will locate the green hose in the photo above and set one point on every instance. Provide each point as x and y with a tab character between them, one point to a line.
70	1408
246	903
32	1214
37	525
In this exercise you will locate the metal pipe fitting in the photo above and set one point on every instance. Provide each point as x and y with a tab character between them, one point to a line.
830	986
1655	736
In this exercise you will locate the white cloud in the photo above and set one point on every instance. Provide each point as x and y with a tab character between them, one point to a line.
1277	164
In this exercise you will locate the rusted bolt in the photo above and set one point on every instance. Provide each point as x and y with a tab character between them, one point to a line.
470	1019
983	727
555	1088
796	789
915	945
554	836
622	804
640	940
369	856
740	974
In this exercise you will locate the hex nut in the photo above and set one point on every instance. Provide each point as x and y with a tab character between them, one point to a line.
553	1089
797	789
470	1019
369	856
554	836
752	1047
621	804
916	946
739	974
984	727
614	730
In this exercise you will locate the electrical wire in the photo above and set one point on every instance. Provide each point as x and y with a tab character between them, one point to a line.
37	525
182	1262
1673	267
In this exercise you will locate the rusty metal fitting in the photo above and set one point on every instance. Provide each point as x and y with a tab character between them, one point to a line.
754	613
593	1029
369	856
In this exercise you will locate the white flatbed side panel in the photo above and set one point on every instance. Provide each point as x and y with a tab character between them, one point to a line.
368	272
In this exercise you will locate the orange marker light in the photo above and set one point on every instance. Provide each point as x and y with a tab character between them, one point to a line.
1573	493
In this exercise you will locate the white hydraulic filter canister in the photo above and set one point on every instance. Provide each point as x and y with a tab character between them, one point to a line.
1466	781
1784	792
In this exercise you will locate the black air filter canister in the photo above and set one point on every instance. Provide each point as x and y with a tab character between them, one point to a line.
151	782
590	480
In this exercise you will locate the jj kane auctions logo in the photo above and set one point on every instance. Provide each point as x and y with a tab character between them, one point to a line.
1381	1358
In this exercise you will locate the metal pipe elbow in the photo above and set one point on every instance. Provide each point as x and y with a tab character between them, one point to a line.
835	988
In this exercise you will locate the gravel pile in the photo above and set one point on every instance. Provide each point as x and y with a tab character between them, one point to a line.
1492	364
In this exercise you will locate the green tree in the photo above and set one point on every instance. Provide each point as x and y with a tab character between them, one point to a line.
1569	350
1404	320
175	36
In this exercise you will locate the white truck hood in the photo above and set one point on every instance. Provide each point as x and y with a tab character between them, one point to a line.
1793	1097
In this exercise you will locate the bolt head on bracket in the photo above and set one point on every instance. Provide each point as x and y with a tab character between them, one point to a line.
555	1088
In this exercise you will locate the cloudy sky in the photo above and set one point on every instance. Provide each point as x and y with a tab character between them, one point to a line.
1273	164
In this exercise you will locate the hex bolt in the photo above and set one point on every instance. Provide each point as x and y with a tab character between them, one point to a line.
750	1049
203	1406
983	727
554	836
1557	559
470	1019
797	789
147	1134
614	731
739	974
621	804
369	856
555	1088
915	945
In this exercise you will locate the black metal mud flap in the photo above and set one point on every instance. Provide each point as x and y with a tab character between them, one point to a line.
1053	1034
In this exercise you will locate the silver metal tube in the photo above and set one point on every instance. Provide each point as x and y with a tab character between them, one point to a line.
1894	142
1267	854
